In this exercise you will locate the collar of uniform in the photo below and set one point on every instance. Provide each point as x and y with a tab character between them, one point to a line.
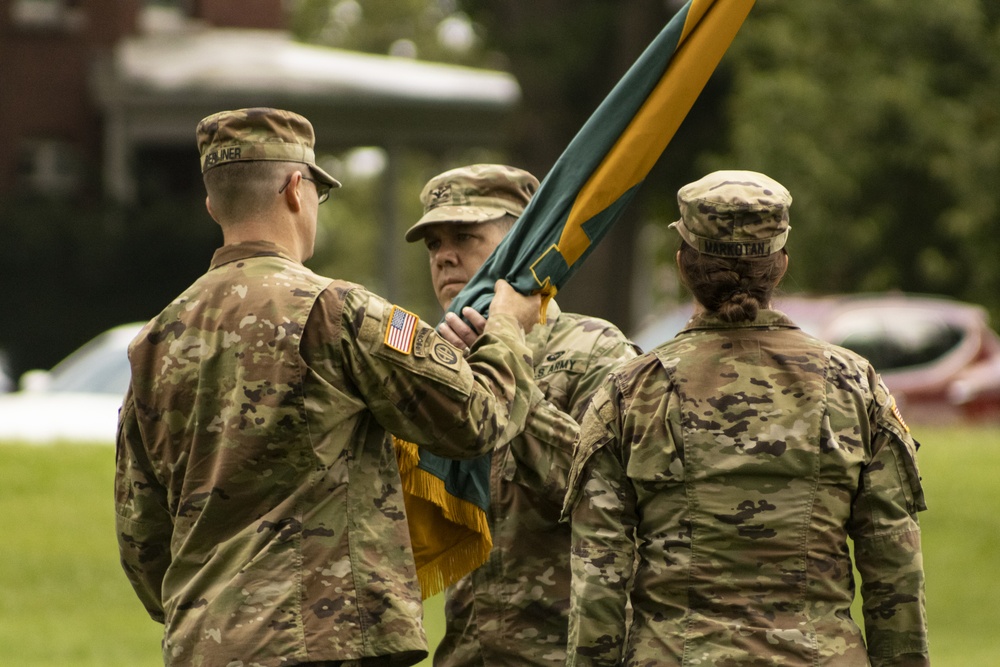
766	319
236	251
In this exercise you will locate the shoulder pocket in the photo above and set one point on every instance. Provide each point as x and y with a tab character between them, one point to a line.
595	433
652	429
656	449
904	449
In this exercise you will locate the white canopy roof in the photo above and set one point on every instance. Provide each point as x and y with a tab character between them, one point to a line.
225	62
155	88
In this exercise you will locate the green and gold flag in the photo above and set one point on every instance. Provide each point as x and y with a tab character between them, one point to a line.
576	204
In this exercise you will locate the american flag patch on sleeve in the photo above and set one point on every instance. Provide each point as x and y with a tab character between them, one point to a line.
399	333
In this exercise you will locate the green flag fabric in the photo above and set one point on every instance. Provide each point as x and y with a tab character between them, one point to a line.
602	168
585	193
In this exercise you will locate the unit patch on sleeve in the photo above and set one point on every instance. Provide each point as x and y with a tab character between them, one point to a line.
446	354
422	342
399	332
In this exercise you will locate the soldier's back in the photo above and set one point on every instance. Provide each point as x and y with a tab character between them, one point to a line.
746	490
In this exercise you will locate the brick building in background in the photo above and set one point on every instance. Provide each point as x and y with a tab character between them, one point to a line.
50	123
102	96
101	199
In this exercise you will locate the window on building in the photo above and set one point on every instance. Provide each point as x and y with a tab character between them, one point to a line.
49	167
47	14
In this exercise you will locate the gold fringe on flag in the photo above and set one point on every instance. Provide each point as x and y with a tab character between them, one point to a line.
450	536
548	293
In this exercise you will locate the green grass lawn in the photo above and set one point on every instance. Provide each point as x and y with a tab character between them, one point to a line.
65	603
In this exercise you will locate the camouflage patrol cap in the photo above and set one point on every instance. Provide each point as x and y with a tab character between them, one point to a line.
259	134
474	194
734	214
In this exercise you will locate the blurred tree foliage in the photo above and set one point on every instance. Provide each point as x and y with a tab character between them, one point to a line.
435	30
353	241
883	119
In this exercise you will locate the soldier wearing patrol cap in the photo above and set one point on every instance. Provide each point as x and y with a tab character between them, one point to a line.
259	510
474	194
260	135
719	477
513	610
726	215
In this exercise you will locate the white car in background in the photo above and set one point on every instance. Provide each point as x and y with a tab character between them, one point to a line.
78	400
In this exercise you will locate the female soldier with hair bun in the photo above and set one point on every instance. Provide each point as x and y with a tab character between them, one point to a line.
719	477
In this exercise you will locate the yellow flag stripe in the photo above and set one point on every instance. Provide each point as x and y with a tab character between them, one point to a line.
696	12
640	145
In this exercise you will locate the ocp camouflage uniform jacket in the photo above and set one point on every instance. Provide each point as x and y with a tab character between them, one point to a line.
259	511
514	609
718	479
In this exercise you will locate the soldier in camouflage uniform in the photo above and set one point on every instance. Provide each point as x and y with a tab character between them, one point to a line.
259	510
513	610
719	477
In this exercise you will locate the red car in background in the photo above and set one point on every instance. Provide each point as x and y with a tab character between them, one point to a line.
939	357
